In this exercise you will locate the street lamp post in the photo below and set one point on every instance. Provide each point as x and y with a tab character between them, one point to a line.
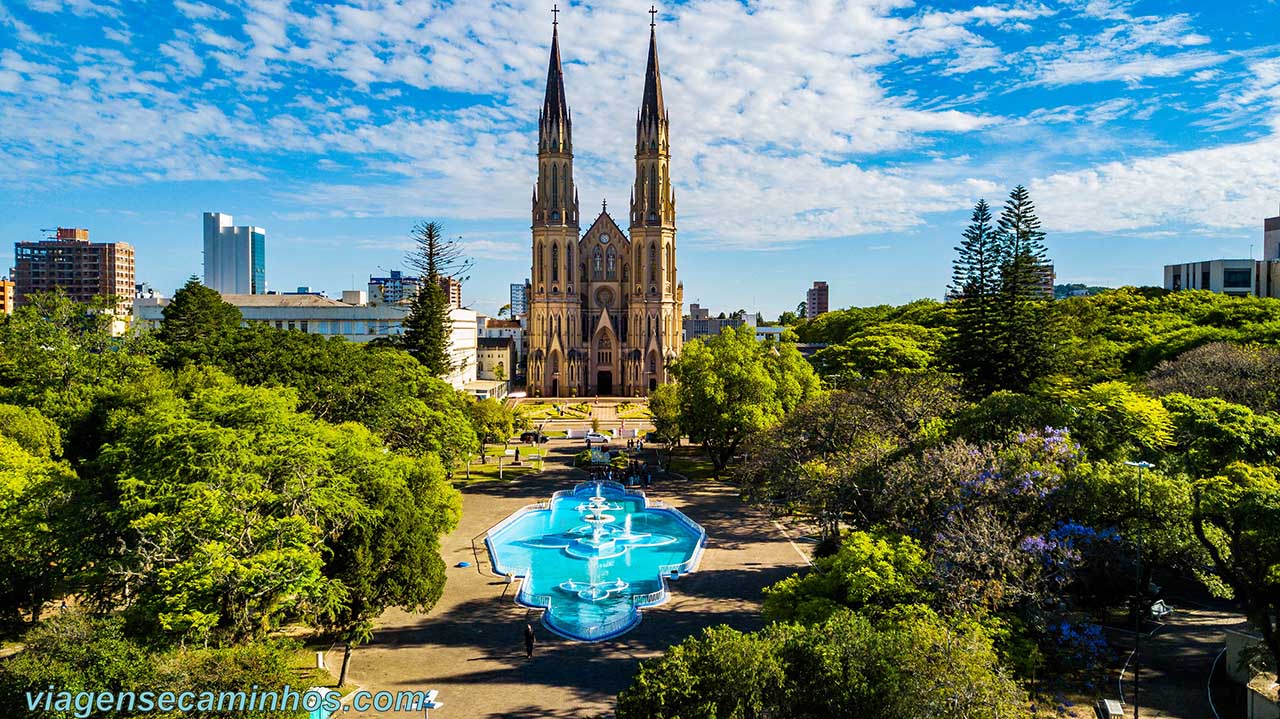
1137	580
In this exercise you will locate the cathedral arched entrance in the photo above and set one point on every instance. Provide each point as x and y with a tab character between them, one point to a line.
604	383
555	387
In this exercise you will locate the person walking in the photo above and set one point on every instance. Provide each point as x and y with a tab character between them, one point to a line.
529	641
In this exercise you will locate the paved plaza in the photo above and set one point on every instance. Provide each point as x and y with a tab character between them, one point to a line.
469	646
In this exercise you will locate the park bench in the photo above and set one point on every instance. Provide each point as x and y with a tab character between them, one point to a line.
1160	610
1109	709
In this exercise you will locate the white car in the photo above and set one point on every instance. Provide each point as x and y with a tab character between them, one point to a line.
597	437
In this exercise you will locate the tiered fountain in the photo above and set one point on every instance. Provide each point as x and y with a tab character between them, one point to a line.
572	546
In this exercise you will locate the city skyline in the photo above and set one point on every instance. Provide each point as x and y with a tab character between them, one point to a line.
1145	131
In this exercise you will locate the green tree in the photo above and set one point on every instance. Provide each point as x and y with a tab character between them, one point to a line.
916	668
1113	421
492	421
1022	333
229	496
1237	520
75	653
34	432
197	324
876	351
1210	434
391	557
870	573
732	386
57	356
36	564
826	458
428	328
975	284
383	388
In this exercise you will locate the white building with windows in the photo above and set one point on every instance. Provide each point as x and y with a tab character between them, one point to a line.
235	260
312	314
352	318
1236	277
462	346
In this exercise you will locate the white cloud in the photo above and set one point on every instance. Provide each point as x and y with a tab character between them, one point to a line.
200	11
83	8
1231	186
1134	49
791	121
187	61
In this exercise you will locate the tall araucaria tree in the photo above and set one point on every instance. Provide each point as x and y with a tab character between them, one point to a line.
975	285
1022	337
428	326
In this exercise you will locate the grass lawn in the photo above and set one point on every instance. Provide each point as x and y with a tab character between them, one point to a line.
634	411
548	410
489	472
303	663
692	462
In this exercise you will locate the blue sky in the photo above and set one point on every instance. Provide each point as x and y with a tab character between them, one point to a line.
820	140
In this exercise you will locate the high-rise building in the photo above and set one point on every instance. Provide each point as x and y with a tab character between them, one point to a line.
80	268
452	290
519	299
7	295
604	311
234	257
401	289
398	288
816	300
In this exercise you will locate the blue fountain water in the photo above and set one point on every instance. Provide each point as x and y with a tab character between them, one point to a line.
594	556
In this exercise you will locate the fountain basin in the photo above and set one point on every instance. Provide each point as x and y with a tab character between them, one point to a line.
593	573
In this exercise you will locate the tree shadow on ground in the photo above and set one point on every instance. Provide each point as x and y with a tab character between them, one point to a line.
491	629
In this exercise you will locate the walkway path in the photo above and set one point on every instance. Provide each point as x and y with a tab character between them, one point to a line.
469	647
1177	659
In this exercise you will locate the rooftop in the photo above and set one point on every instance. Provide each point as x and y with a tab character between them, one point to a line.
282	301
493	342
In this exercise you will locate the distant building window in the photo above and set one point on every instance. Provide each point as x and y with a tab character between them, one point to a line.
1204	279
1236	278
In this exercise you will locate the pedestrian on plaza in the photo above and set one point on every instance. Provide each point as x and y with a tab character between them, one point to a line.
529	641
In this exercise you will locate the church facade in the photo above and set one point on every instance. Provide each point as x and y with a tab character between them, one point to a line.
605	307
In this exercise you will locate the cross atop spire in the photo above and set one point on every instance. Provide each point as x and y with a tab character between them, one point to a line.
651	107
653	16
554	135
555	15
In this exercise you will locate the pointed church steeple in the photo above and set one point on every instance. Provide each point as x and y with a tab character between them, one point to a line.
555	199
651	203
554	123
651	108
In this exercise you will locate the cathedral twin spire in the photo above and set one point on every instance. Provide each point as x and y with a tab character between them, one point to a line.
555	199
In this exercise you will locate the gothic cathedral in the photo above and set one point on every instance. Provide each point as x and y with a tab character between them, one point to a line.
605	308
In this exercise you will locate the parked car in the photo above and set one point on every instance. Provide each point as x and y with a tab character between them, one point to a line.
534	437
597	437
